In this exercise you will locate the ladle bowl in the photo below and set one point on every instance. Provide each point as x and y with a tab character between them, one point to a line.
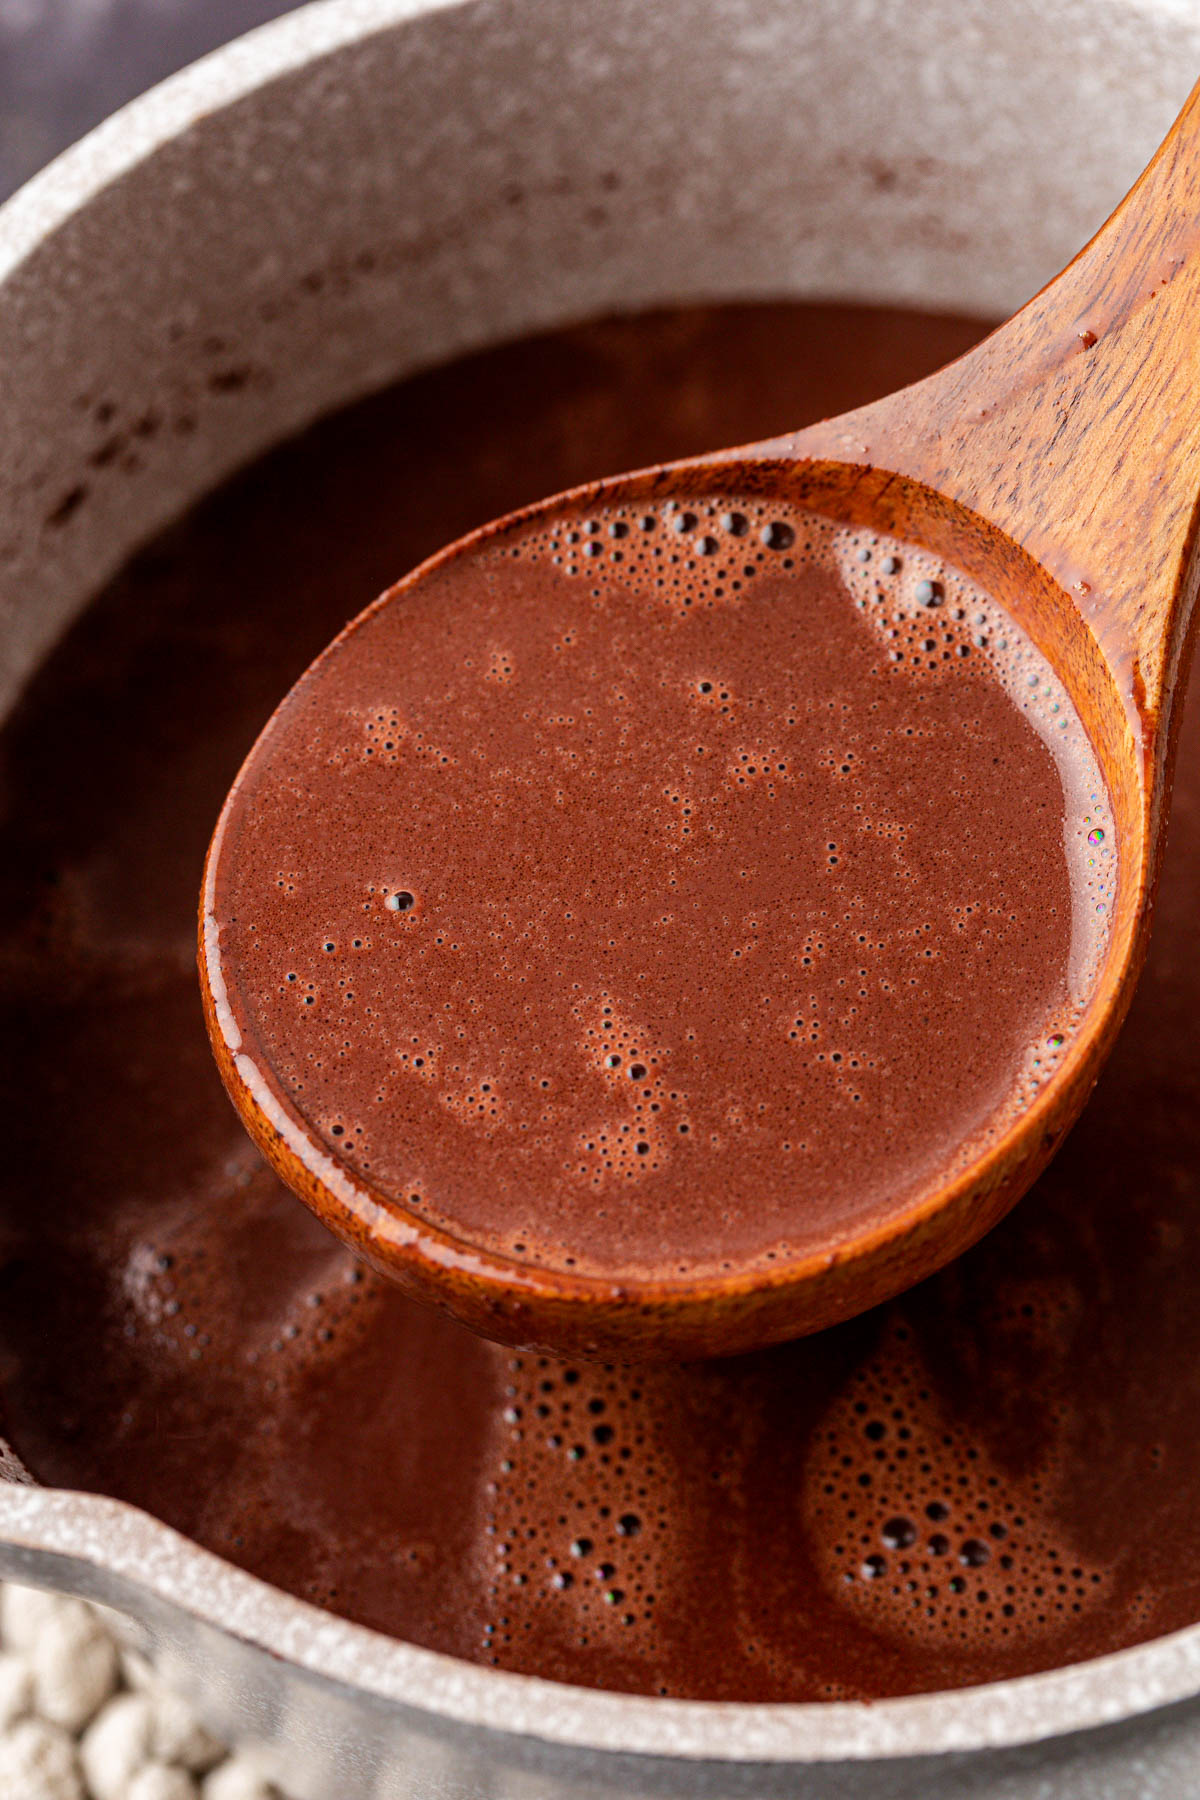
1057	466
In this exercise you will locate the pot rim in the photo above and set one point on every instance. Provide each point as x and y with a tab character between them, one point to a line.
120	1555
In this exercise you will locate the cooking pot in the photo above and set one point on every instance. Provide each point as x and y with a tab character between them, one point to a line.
367	187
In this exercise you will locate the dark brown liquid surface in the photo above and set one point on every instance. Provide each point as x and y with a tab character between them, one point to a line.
670	909
996	1474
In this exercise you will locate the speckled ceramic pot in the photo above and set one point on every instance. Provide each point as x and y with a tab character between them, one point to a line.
369	186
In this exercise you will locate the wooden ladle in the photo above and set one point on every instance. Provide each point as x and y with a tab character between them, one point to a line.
1057	465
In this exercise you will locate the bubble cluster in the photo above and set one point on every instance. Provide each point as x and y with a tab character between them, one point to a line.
920	1532
634	1137
576	1523
685	554
384	732
621	1505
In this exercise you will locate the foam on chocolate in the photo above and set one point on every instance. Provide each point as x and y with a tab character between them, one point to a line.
597	1522
579	1518
919	1530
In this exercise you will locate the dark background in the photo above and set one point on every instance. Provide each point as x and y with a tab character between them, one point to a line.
66	64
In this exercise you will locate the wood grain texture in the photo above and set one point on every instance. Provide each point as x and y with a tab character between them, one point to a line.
1075	427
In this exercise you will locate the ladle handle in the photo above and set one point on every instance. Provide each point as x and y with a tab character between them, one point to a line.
1075	427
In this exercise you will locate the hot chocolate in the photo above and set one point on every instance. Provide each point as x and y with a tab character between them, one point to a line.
996	1474
679	888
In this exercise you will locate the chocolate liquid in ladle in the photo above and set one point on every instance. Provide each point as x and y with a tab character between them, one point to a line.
997	1473
663	889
